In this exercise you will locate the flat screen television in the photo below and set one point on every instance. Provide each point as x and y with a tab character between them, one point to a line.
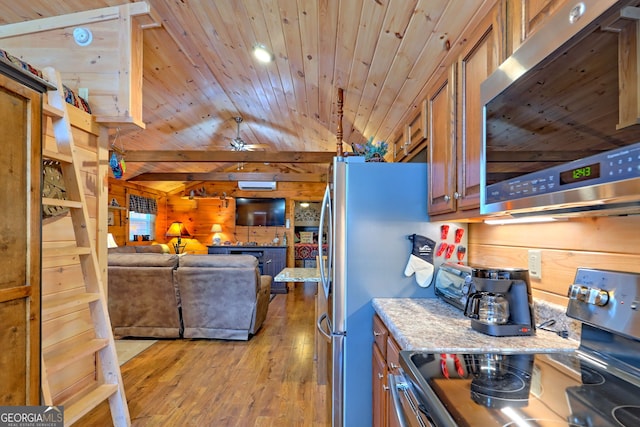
254	212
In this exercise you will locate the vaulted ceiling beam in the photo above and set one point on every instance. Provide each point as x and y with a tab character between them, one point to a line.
230	156
231	176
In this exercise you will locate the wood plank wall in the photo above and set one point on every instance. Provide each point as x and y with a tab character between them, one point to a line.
611	243
58	231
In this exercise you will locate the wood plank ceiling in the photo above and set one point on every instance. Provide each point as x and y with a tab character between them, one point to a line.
199	73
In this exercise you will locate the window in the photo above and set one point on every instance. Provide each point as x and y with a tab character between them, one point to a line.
143	225
142	218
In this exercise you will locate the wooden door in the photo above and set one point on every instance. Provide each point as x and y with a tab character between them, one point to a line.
20	169
442	160
482	55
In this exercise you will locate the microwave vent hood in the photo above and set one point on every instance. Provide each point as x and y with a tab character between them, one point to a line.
561	99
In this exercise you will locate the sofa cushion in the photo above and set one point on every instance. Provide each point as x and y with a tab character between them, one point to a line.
143	260
217	261
156	249
123	250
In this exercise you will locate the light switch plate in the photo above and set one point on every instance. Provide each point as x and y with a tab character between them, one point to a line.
535	264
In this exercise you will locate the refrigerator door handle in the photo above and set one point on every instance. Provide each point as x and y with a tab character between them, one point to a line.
325	270
327	333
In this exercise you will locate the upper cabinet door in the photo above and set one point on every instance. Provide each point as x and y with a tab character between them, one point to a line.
525	17
415	132
441	112
482	55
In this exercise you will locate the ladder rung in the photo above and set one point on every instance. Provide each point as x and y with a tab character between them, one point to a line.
61	358
65	251
54	155
51	111
55	305
61	202
88	402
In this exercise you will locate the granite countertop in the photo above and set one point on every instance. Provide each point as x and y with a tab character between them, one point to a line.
430	324
298	275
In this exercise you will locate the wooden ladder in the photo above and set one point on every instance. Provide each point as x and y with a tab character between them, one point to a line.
108	384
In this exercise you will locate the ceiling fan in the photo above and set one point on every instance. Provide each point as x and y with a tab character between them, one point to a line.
238	144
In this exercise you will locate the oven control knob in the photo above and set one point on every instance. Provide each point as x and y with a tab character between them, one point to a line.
578	292
598	297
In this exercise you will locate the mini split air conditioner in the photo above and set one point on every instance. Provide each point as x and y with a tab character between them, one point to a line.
256	185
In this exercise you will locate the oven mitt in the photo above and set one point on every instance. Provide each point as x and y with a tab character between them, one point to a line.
421	260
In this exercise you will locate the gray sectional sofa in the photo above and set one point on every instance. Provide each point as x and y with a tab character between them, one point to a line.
160	295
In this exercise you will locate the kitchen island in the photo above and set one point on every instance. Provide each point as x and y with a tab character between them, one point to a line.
432	325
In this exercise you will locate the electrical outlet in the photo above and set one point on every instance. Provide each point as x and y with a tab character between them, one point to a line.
535	264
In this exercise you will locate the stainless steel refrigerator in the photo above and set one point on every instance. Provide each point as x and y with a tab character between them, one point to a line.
369	211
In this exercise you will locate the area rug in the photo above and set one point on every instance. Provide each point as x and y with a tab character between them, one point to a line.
128	349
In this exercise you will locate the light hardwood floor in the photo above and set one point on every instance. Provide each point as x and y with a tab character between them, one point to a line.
269	380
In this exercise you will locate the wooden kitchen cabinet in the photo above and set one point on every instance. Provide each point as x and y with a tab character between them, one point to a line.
415	131
20	251
385	360
455	121
399	147
441	121
380	388
393	367
480	57
525	17
413	138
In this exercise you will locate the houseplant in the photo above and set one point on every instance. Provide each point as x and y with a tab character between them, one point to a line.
372	152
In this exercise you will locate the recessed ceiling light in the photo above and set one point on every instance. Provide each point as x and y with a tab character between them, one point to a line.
262	54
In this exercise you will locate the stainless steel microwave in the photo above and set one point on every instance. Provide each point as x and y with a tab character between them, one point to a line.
560	134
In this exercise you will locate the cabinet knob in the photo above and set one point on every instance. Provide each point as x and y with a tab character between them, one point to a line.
446	198
456	195
393	366
377	334
385	387
380	376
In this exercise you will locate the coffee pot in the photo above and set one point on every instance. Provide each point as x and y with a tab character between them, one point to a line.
489	308
501	303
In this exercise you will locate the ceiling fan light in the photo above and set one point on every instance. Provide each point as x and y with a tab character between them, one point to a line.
262	54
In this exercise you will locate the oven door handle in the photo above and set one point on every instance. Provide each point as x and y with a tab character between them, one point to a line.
395	397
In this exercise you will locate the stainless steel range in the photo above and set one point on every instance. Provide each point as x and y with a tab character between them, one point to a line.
596	385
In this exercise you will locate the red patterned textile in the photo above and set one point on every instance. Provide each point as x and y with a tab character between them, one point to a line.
307	250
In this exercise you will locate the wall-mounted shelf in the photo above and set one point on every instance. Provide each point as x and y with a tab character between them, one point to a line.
117	208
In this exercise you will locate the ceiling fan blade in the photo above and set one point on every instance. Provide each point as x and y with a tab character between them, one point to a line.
257	147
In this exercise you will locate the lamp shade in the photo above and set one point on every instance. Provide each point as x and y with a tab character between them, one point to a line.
111	242
177	229
216	228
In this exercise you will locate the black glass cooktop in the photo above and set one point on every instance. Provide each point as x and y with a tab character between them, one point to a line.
555	389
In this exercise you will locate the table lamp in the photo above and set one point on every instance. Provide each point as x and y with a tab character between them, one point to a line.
177	229
111	241
216	229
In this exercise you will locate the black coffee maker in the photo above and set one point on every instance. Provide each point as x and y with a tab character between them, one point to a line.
501	303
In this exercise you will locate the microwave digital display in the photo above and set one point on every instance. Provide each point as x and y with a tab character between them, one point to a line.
583	173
